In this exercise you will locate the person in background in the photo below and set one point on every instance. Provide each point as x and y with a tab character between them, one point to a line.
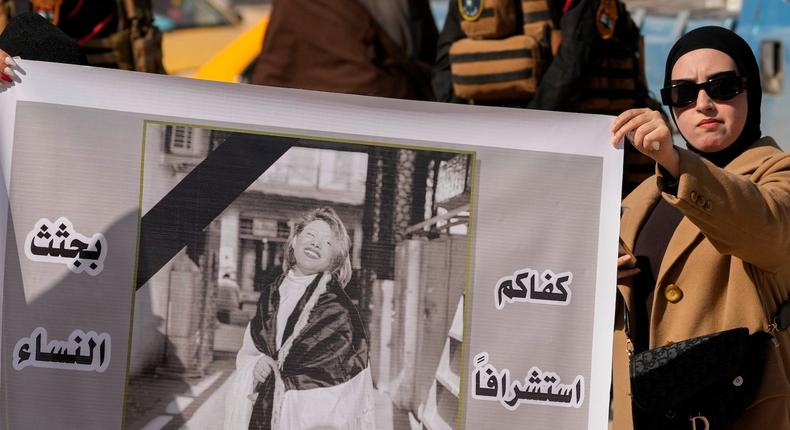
304	357
32	37
367	47
710	232
588	59
114	34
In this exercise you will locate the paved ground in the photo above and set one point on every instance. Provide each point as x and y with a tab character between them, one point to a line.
155	402
159	403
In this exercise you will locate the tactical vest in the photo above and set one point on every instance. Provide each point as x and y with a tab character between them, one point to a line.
618	81
135	44
499	59
511	43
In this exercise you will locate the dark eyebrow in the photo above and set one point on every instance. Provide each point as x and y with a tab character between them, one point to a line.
721	74
713	76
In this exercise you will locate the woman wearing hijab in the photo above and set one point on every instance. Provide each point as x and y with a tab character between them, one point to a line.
710	232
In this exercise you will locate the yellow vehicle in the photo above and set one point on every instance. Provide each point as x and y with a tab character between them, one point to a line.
206	40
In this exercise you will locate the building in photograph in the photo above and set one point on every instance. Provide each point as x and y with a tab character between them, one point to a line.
407	212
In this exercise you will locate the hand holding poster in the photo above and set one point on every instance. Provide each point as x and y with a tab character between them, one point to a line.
481	248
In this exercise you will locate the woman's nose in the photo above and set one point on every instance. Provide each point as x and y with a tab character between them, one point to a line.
704	101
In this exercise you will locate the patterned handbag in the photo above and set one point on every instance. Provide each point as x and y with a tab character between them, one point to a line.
700	383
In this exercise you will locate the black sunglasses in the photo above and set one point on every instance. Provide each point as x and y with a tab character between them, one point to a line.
723	87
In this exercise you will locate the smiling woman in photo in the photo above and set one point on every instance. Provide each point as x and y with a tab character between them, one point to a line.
303	363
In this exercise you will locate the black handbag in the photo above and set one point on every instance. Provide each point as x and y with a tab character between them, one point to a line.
700	383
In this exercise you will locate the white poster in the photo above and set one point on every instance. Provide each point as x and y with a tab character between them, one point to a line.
155	236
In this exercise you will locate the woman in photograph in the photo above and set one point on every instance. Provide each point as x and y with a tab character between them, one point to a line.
710	232
303	363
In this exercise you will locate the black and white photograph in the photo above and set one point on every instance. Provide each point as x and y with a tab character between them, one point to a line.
320	286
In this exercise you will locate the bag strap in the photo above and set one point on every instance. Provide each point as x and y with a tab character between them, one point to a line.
139	16
781	319
131	8
395	56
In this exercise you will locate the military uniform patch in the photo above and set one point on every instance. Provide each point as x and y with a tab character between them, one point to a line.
470	9
606	18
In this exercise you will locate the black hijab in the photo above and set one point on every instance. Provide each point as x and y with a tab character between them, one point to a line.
726	41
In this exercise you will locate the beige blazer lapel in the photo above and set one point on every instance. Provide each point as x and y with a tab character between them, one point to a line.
685	235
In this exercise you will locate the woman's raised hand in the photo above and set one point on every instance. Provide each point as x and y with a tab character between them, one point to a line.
263	368
650	135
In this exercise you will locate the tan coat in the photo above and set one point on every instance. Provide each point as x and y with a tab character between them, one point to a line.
730	257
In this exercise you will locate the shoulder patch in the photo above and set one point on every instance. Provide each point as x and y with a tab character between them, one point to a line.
606	18
470	9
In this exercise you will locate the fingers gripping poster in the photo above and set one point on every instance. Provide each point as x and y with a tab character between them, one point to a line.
186	254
